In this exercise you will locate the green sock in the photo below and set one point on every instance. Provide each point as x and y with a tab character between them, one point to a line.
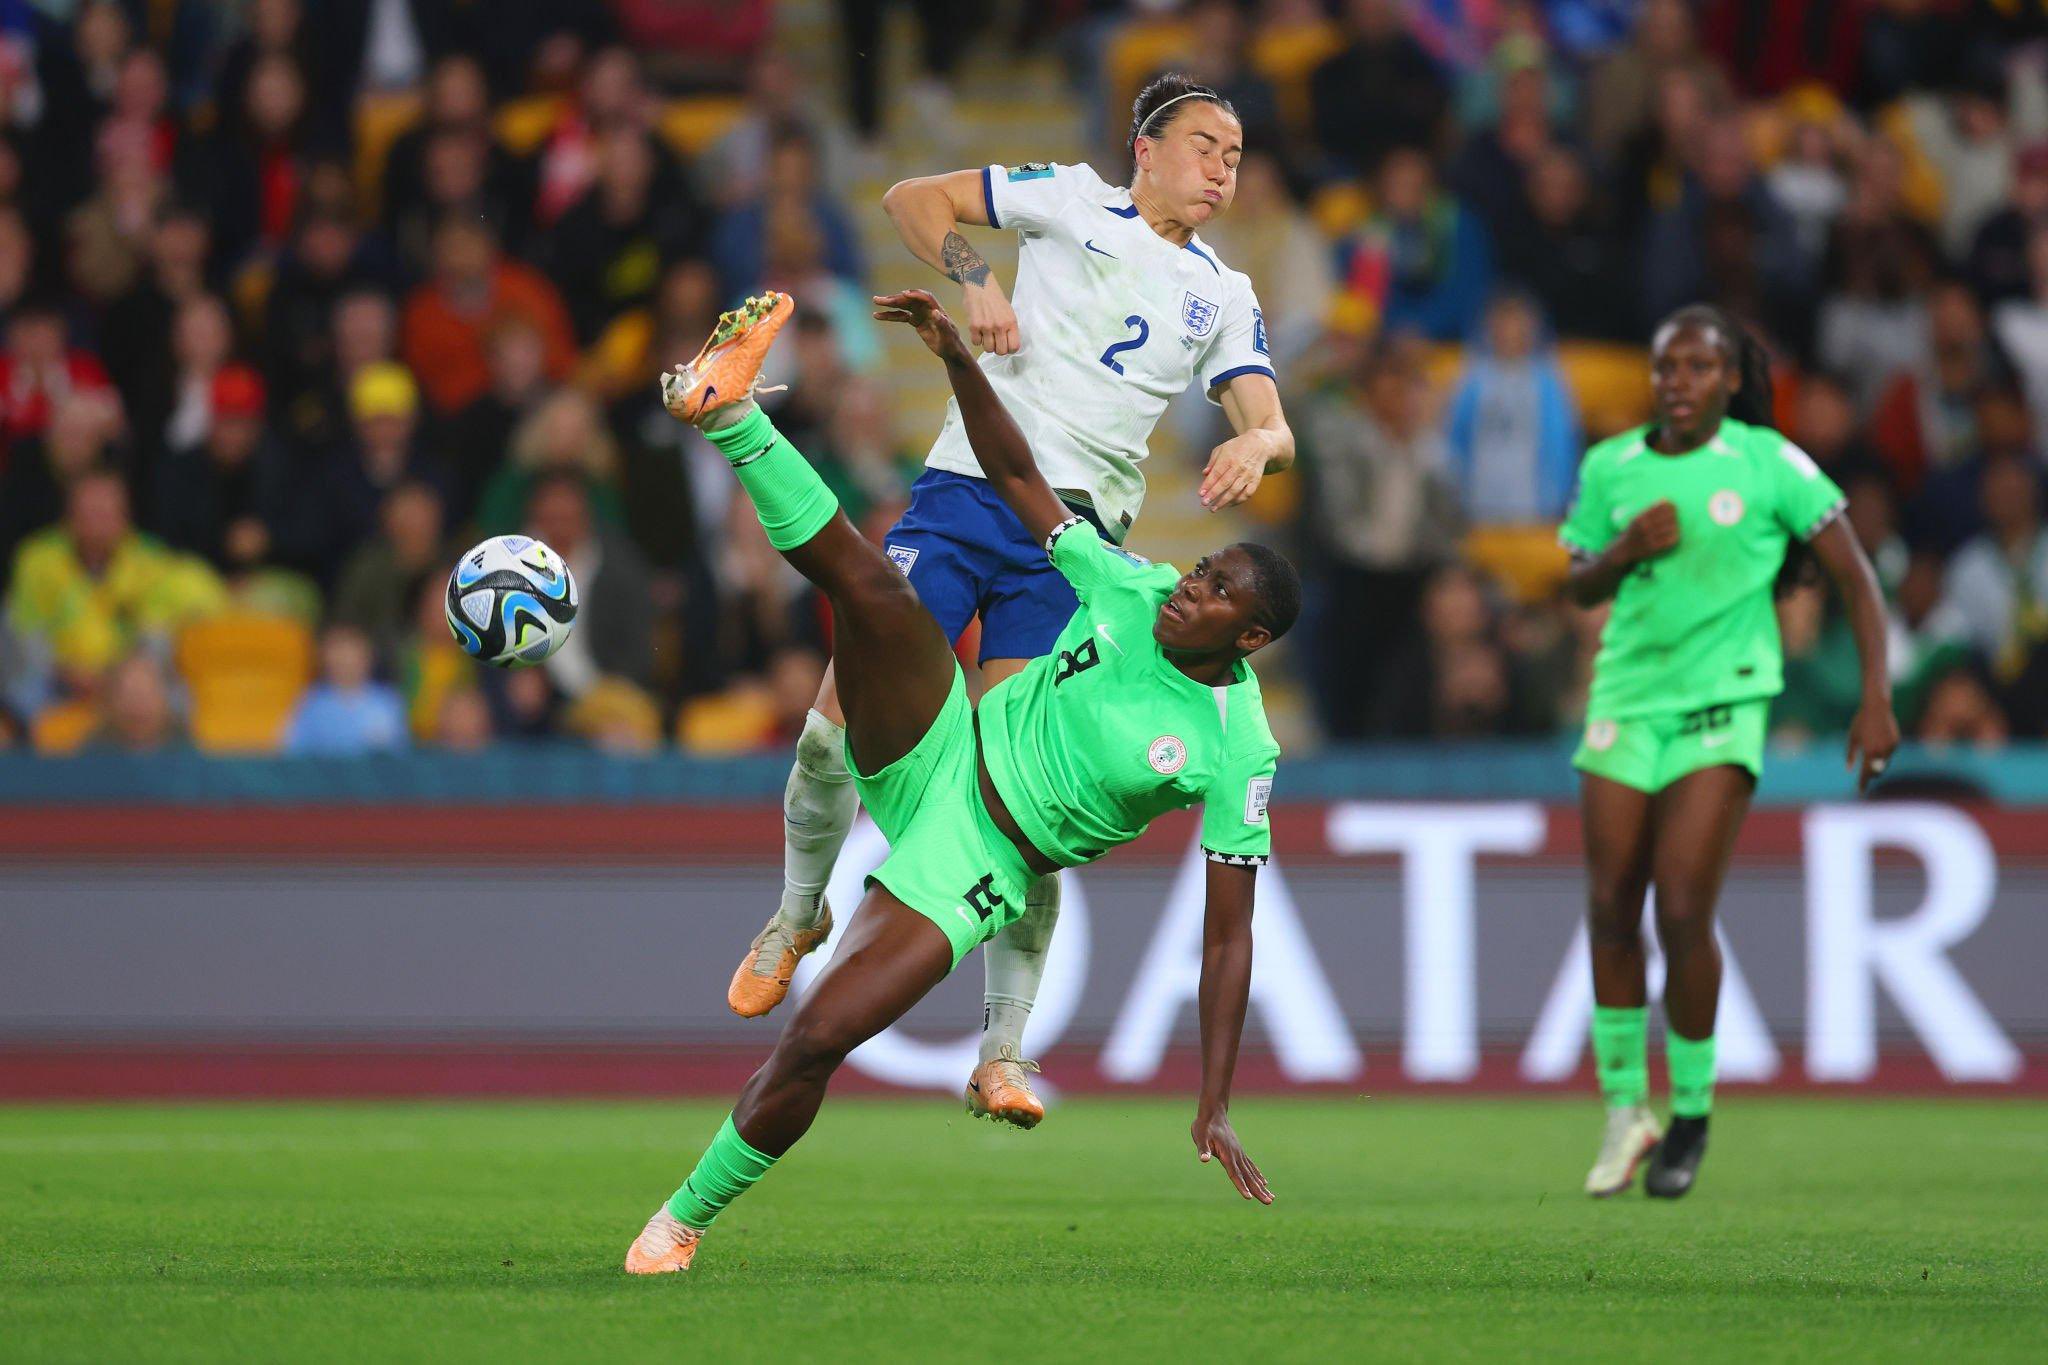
727	1170
789	497
1691	1062
1620	1050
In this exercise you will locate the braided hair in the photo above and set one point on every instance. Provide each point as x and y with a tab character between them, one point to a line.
1751	404
1173	88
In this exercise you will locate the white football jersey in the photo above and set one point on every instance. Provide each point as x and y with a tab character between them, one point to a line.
1115	321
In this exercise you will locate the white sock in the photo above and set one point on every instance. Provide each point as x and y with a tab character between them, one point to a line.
817	811
1014	961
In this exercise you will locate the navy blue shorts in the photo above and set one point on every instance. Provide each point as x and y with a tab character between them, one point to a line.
965	552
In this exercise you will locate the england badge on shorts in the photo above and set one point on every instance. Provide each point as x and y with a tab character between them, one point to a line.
902	556
1197	314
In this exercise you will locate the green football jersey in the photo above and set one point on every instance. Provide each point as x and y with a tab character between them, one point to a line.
1697	627
1091	743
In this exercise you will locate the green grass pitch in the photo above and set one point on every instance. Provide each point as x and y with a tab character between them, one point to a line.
1836	1229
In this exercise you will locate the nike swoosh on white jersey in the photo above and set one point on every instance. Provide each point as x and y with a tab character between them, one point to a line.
1103	631
1090	245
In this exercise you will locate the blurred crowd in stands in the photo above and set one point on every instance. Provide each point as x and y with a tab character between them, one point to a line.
299	298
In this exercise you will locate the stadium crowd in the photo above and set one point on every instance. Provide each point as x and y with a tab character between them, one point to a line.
298	299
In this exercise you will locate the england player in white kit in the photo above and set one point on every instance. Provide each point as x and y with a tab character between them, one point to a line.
1119	307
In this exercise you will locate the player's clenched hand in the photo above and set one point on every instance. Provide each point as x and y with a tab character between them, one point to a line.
1234	470
918	309
991	322
1874	734
1653	532
1214	1138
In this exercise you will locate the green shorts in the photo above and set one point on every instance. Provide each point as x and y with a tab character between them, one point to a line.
1651	752
947	860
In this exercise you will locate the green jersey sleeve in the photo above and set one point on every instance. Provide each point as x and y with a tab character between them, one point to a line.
1234	824
1589	527
1807	498
1091	564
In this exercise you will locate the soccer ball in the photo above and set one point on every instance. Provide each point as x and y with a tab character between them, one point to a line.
511	601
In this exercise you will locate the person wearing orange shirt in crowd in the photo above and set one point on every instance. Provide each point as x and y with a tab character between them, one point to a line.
473	289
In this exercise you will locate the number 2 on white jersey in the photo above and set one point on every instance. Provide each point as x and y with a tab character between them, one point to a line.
1109	357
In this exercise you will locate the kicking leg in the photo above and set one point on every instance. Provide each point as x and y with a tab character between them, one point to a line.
1697	818
1617	824
890	960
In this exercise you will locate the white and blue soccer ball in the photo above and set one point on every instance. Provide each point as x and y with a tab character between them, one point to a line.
511	601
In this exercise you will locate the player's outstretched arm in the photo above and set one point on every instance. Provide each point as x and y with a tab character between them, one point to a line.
1226	986
1000	447
1874	734
927	212
1264	443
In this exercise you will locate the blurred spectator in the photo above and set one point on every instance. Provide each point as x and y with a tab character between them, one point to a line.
1999	268
1873	323
613	97
1967	137
202	342
794	200
1514	435
2022	326
1379	92
1269	238
1996	599
564	433
612	637
107	236
1906	45
735	167
381	583
1824	425
472	290
1808	180
337	509
347	713
221	498
1421	263
463	724
614	717
1961	710
135	326
138	716
17	259
458	103
1382	516
478	436
40	368
607	251
41	469
1218	49
1925	418
1726	240
942	33
456	181
88	590
1492	171
1623	94
1566	256
329	259
250	171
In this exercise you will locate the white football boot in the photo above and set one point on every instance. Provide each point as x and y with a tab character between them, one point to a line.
1632	1134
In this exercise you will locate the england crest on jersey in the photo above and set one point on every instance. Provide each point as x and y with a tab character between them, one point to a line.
1197	314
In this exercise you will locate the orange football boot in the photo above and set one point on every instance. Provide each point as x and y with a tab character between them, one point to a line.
664	1247
727	370
1000	1090
762	979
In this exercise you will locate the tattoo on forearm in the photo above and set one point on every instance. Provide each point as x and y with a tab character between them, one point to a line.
961	262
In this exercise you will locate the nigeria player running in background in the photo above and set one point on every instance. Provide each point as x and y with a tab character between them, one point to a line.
1147	706
1119	307
1685	524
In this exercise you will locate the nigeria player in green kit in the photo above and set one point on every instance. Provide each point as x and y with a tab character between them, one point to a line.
1685	525
1144	706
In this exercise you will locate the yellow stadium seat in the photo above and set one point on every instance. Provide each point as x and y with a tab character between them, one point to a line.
381	119
1611	383
63	728
245	674
694	123
729	722
1139	51
1287	55
524	124
1340	208
1526	561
